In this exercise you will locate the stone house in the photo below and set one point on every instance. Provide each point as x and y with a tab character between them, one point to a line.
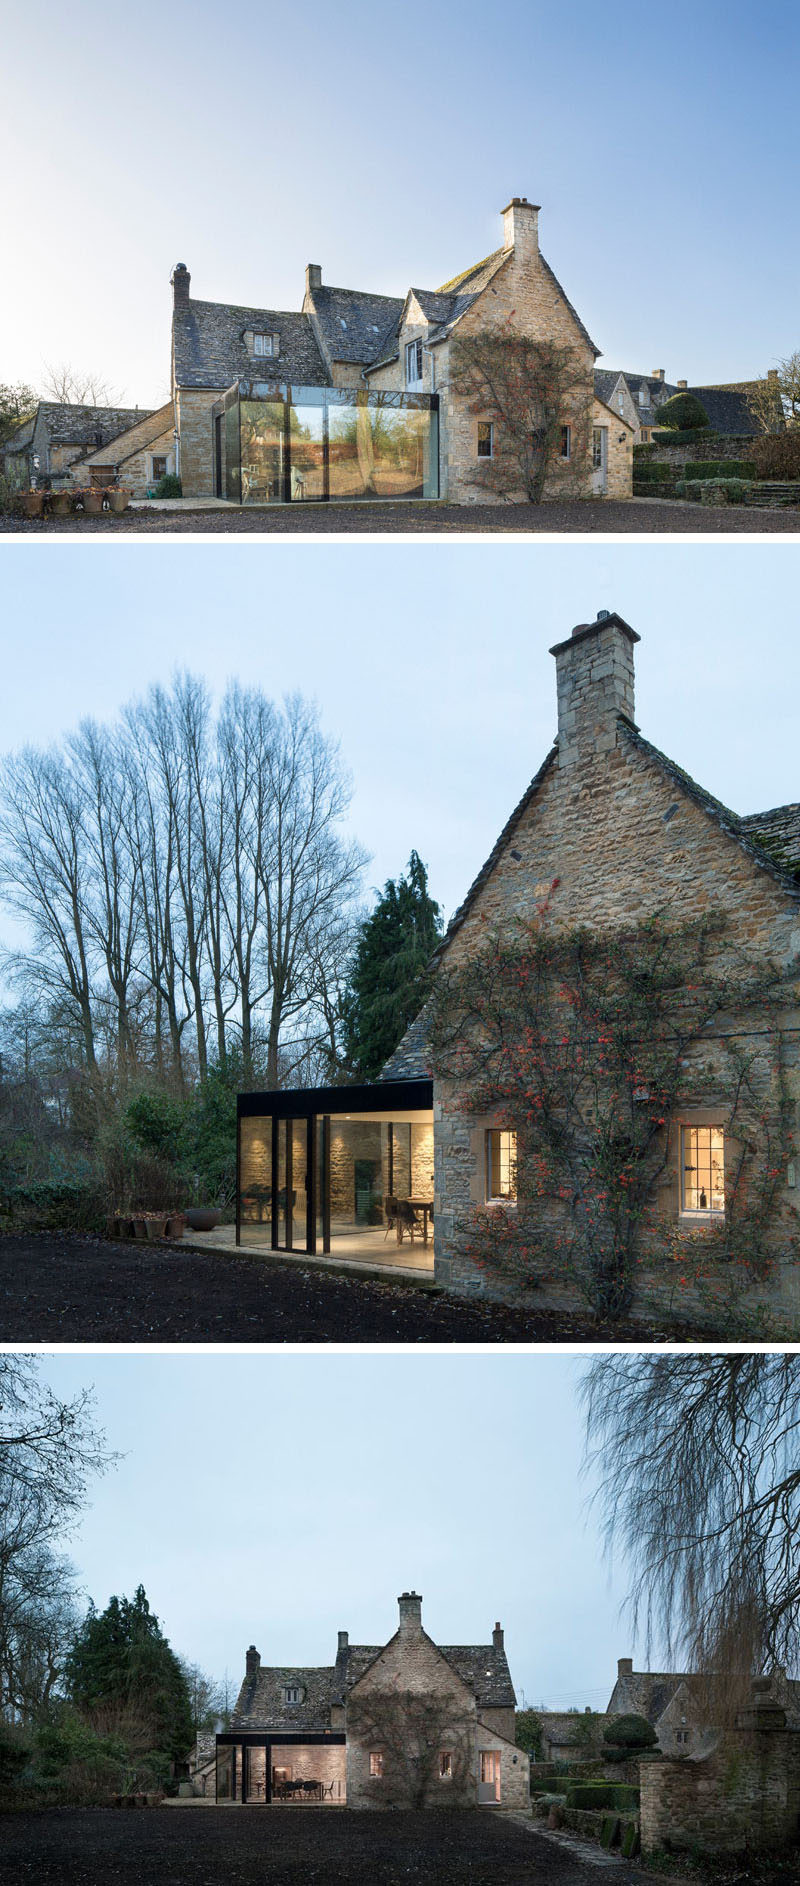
407	1723
59	443
739	1791
636	398
351	397
610	833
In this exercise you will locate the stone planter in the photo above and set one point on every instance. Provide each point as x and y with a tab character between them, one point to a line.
201	1218
139	1224
31	503
118	501
93	502
155	1226
59	503
175	1225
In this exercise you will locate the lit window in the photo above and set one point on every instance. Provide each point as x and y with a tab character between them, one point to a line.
376	1762
485	438
566	442
445	1765
414	363
262	344
702	1171
501	1166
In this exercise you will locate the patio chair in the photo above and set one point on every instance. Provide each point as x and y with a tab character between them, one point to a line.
390	1211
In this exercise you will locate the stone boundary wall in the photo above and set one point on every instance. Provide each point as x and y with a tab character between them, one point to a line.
726	446
745	1795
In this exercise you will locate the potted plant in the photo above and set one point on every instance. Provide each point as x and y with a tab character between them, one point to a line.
201	1217
59	503
118	499
31	503
93	500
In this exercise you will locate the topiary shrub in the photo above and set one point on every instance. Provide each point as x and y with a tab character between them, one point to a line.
599	1794
169	486
682	413
629	1733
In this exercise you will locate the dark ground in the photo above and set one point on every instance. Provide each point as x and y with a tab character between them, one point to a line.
601	515
60	1287
298	1847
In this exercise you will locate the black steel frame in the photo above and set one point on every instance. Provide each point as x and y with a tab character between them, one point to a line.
314	1104
269	1739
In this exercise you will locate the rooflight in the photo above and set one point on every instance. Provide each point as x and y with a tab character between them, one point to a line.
342	322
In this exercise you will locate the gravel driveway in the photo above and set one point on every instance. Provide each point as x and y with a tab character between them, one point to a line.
594	516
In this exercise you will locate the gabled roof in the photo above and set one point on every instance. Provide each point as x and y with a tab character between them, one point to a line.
209	349
89	426
354	324
728	408
483	1668
261	1704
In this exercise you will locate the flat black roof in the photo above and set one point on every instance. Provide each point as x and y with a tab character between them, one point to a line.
369	1097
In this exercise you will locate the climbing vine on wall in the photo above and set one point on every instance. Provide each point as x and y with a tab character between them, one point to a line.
592	1047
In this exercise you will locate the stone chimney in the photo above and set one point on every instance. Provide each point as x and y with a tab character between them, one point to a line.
772	373
313	276
521	226
497	1637
180	279
657	373
410	1605
343	1642
624	1666
682	385
252	1661
594	682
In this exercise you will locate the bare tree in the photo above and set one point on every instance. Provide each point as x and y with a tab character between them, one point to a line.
537	397
69	386
412	1730
698	1458
775	401
44	868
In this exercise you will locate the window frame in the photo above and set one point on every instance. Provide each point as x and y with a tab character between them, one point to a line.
414	351
566	442
445	1764
485	425
499	1132
264	346
159	458
377	1768
293	1692
699	1214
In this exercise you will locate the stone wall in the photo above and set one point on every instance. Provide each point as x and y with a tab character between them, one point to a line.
196	426
745	1795
410	1664
131	453
720	446
619	478
609	839
316	1762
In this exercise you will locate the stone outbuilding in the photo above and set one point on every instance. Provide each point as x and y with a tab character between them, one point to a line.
58	444
407	1723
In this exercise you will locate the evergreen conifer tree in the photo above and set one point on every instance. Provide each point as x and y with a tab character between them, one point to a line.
121	1660
389	979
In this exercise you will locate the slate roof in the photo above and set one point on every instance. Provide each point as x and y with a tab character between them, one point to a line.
649	1692
410	1060
728	408
90	426
354	324
260	1703
483	1668
778	832
209	349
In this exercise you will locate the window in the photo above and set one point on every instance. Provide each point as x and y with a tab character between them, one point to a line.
445	1765
597	448
262	344
644	395
292	1693
702	1171
414	363
159	469
376	1762
647	433
485	438
566	442
501	1166
681	1735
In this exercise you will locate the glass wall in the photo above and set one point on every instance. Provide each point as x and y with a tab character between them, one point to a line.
255	1178
290	445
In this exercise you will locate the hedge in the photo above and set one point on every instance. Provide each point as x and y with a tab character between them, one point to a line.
720	468
653	474
53	1205
672	436
599	1794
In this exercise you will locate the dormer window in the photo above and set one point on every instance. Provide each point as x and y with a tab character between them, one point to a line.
264	344
292	1693
414	363
644	395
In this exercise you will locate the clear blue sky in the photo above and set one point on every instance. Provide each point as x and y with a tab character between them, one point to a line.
246	142
275	1499
429	661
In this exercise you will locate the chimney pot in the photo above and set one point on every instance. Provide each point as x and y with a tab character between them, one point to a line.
180	279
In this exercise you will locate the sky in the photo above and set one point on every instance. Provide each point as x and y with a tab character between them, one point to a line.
246	142
429	661
276	1499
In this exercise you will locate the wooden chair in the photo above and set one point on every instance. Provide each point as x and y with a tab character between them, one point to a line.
390	1210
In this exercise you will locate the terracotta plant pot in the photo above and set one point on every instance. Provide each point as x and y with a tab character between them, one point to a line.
31	503
118	501
59	503
93	502
201	1218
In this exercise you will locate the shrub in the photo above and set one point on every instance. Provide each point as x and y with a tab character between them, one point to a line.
599	1794
682	413
652	472
630	1732
53	1205
169	486
720	468
723	490
777	454
684	436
